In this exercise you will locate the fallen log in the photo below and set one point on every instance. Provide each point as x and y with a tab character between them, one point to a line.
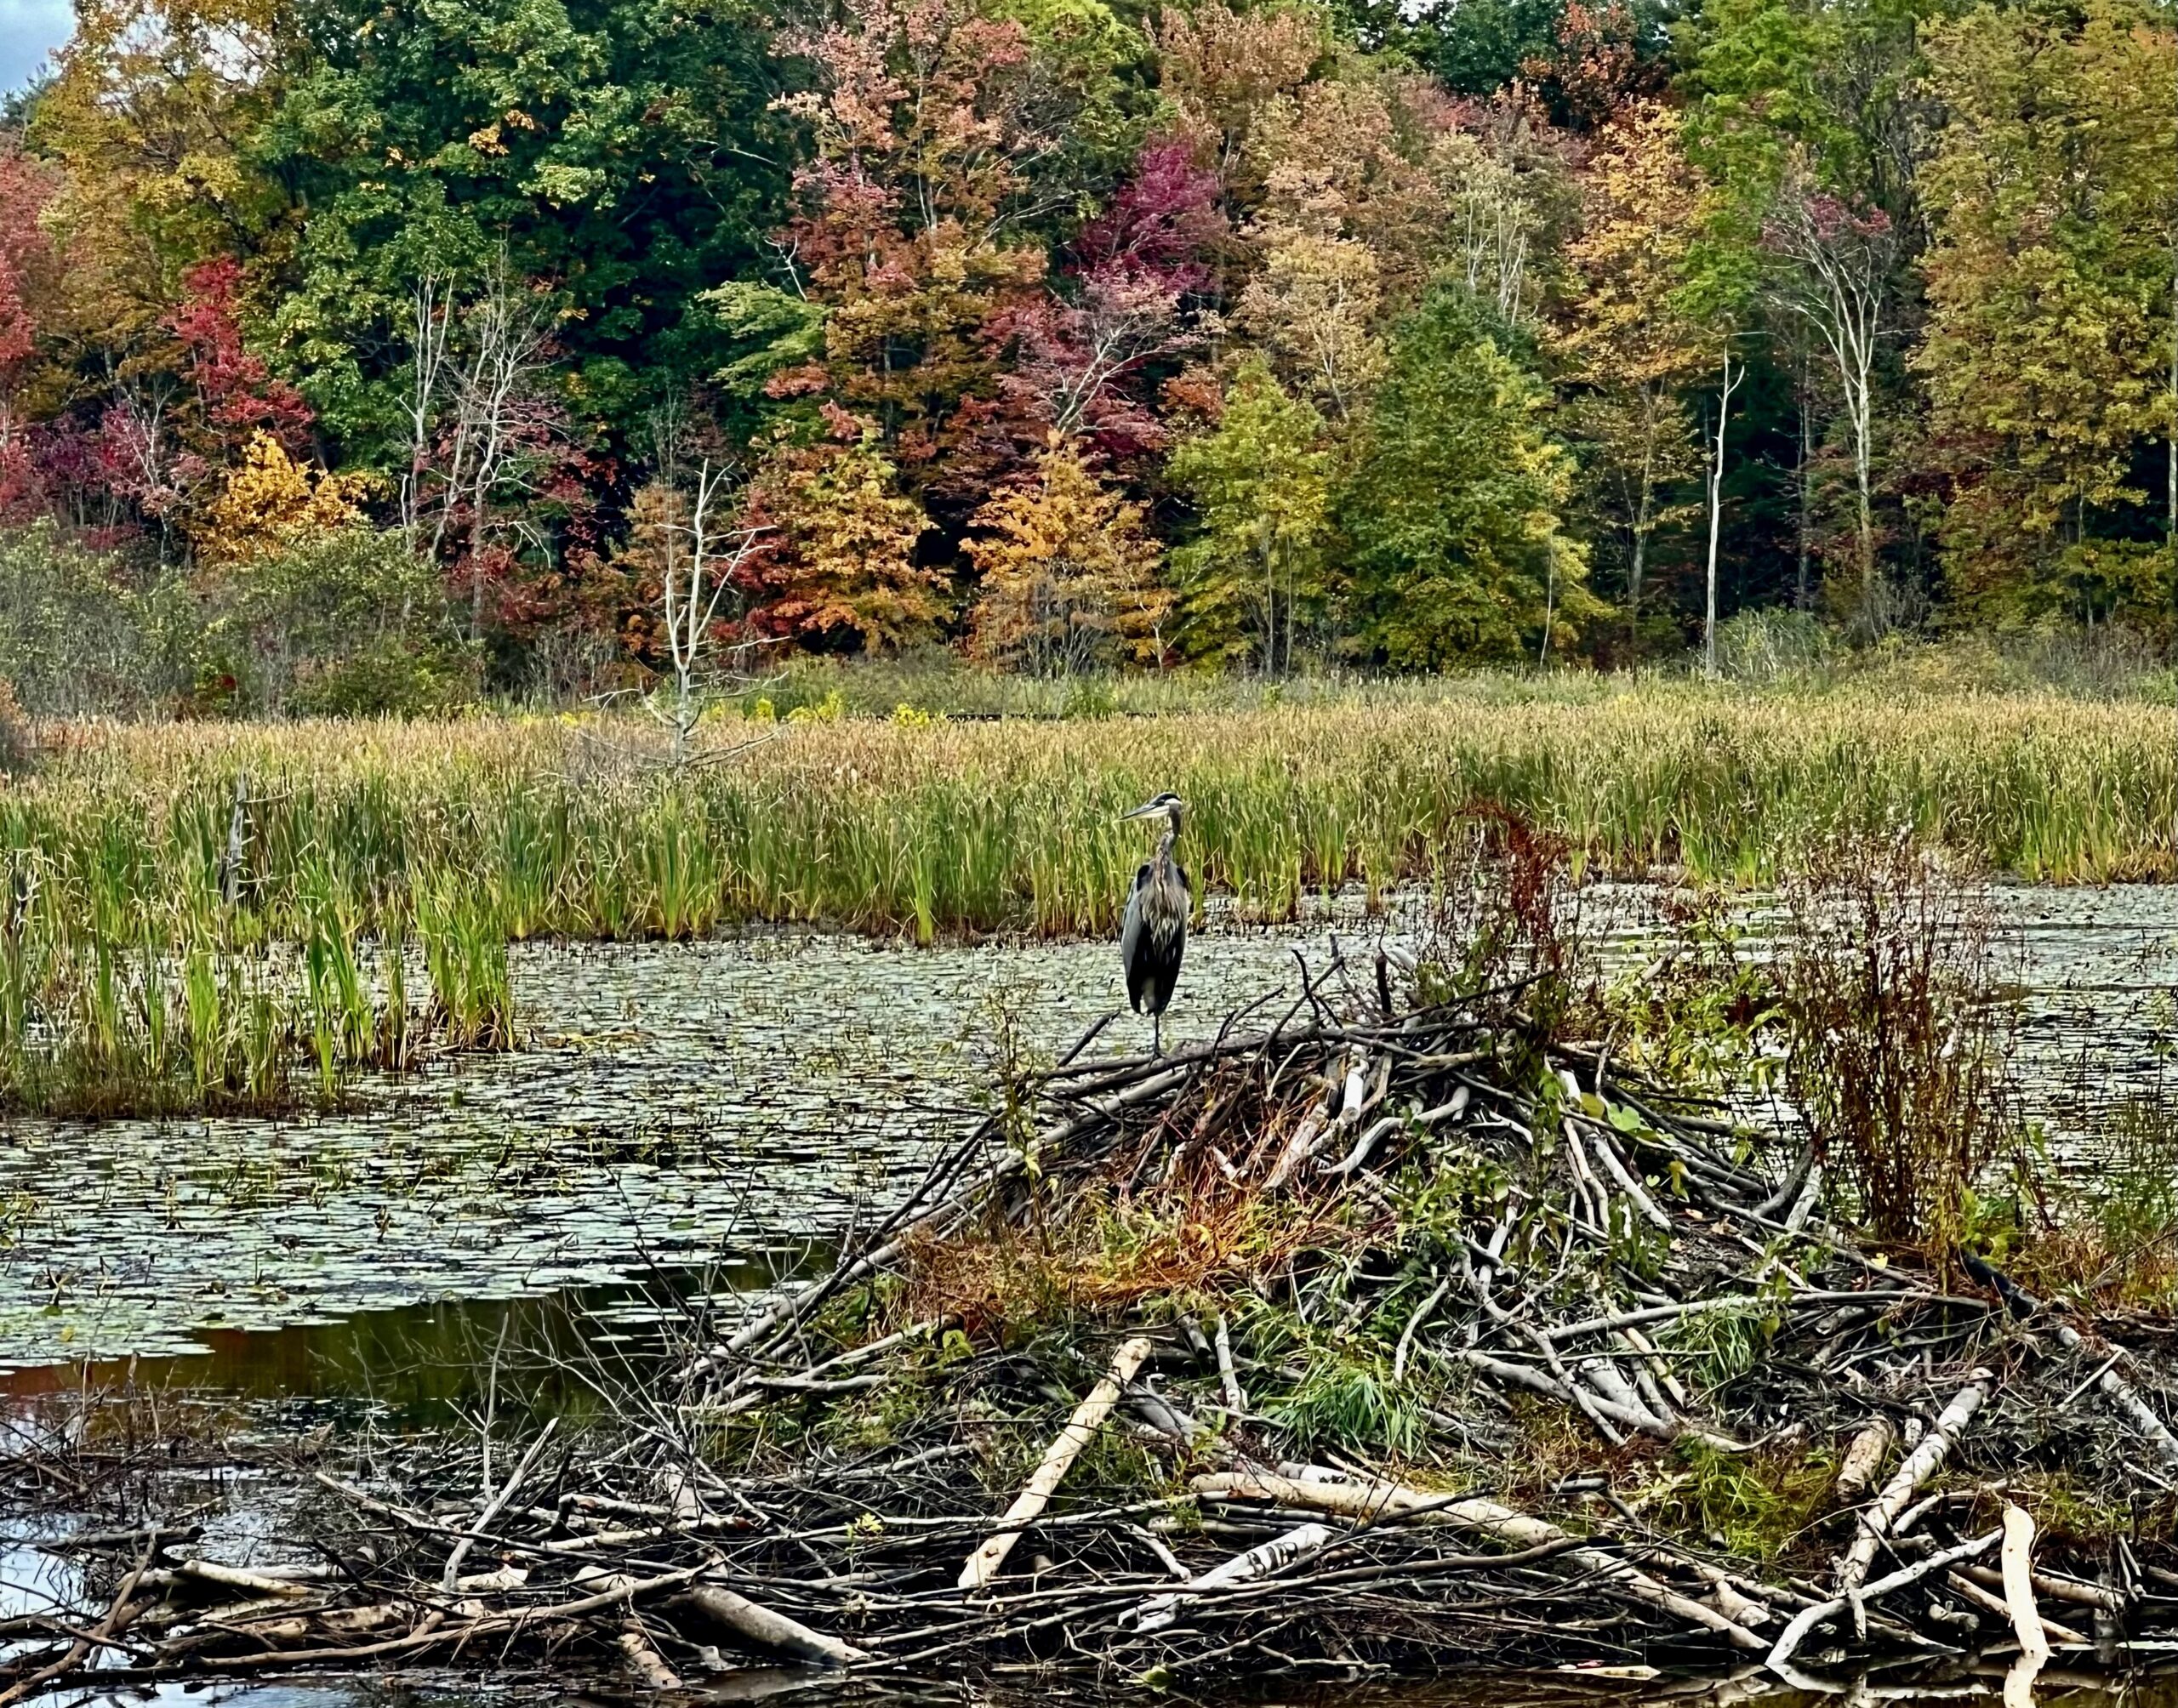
1376	1502
2018	1556
1863	1460
773	1632
1059	1459
644	1660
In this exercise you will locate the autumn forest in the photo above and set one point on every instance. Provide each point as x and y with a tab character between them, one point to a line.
372	355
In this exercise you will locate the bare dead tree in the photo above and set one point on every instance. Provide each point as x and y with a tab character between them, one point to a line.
694	588
430	318
1832	274
1734	371
477	416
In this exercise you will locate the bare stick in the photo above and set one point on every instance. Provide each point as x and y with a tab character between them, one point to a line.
452	1574
1236	1399
231	861
1261	1561
1968	1591
1806	1620
2126	1399
1413	1323
1374	1501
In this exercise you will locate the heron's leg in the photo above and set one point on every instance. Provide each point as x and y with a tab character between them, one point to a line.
1157	1033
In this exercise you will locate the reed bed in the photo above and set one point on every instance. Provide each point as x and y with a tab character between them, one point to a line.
130	987
528	828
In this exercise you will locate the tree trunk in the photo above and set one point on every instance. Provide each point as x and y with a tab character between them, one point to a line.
1806	473
1644	521
476	566
1863	427
1716	509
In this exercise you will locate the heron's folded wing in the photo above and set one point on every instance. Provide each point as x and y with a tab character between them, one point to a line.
1130	941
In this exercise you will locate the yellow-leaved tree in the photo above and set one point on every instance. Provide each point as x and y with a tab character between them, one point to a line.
1069	573
839	555
270	501
1629	349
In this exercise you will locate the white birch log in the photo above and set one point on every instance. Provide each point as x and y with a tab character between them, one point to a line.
1920	1464
1059	1459
1806	1620
771	1630
1261	1561
1371	1501
2018	1562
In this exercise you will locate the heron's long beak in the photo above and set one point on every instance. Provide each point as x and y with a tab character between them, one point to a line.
1143	811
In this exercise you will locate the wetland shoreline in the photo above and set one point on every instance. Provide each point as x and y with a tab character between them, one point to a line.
656	1080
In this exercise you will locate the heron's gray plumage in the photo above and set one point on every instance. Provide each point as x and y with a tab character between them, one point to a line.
1153	936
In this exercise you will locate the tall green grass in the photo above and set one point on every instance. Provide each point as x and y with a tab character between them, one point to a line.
370	849
128	986
495	828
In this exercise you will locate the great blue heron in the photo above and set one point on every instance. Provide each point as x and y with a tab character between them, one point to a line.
1155	934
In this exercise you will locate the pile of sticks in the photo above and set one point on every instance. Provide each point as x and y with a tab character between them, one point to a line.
1519	1244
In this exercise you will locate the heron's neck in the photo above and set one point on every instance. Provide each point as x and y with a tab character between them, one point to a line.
1171	835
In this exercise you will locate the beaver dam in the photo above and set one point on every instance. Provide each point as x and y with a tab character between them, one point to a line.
1451	1310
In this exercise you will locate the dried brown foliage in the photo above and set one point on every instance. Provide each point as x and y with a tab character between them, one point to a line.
1509	920
1179	1211
1898	1034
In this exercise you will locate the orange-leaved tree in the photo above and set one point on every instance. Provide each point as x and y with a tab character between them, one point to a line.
838	564
1628	351
1069	572
927	120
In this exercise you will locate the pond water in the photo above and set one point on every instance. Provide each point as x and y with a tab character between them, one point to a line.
710	1110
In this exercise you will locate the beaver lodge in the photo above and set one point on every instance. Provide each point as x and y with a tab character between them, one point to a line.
1449	1309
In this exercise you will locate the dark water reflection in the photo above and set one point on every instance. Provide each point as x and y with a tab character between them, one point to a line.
422	1364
